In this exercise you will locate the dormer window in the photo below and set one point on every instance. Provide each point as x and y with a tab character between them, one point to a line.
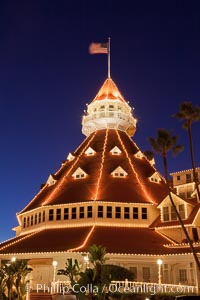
119	172
115	151
51	180
90	151
155	178
79	174
139	155
70	157
169	213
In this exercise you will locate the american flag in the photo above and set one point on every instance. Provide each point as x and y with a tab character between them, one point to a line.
98	48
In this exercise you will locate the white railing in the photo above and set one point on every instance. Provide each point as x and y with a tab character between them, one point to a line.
110	114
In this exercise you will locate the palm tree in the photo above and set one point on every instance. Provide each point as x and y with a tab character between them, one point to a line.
9	271
96	255
72	270
21	271
15	278
164	143
189	114
2	284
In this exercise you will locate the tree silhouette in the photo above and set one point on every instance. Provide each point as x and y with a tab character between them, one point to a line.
164	143
190	114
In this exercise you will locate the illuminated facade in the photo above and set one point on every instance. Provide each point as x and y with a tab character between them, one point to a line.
107	193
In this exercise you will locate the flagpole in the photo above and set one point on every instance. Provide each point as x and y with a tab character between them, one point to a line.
109	57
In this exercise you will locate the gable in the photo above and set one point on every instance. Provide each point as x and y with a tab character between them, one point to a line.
119	172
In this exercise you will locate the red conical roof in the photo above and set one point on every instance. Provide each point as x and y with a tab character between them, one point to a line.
110	91
99	184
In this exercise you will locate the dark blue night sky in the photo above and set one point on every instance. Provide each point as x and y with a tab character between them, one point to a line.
47	77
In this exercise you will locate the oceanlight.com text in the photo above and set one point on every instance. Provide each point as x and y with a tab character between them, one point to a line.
115	288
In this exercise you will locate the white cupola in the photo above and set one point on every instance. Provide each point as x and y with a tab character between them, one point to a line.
109	110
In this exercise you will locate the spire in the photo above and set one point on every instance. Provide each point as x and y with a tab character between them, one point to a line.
109	91
109	109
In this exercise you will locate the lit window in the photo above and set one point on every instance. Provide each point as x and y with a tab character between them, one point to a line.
90	151
39	217
66	213
188	178
126	212
181	209
58	214
100	211
119	172
79	174
73	212
81	212
51	180
109	212
89	212
165	214
139	155
182	275
155	177
117	212
43	216
173	214
144	213
115	151
135	212
51	215
111	107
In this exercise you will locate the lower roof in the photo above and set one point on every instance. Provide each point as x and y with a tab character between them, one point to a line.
119	240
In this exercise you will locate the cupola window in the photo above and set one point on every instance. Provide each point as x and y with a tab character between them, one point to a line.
119	172
79	174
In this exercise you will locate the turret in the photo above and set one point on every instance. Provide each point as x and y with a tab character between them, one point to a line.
109	110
